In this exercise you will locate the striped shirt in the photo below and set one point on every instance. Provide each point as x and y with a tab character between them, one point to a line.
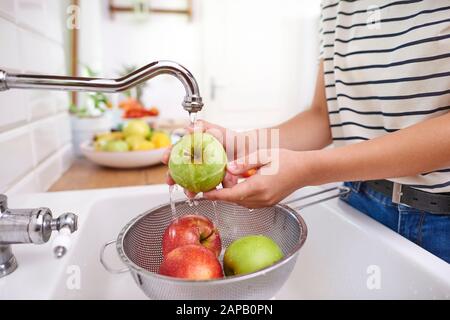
387	67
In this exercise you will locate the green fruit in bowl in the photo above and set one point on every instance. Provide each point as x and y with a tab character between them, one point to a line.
116	146
136	128
250	254
197	162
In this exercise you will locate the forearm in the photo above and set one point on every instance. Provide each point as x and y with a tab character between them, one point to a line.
310	130
420	148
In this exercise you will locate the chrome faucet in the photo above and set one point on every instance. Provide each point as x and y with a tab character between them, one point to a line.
37	225
28	226
192	101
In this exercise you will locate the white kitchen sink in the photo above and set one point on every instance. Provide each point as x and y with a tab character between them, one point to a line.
346	255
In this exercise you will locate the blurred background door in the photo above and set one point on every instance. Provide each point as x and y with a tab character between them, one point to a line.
259	60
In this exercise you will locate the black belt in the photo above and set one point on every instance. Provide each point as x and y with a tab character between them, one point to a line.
437	203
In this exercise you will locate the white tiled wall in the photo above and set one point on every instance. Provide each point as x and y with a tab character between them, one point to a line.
35	138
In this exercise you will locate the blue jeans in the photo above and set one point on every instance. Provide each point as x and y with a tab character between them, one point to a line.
430	231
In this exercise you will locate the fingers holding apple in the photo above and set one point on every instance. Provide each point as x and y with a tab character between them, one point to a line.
169	179
229	180
200	171
197	162
166	155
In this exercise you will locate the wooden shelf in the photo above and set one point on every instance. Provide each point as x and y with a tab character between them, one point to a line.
113	9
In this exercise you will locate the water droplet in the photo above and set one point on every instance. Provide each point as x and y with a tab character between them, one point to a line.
172	189
193	117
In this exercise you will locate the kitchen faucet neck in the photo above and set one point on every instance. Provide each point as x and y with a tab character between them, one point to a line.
192	101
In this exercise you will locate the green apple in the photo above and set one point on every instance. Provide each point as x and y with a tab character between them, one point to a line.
116	146
250	254
136	128
197	162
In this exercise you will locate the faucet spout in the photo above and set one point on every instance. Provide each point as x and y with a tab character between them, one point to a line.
192	101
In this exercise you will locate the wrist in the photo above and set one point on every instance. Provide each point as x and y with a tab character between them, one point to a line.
314	166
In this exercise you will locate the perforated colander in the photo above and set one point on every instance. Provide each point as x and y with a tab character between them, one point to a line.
139	247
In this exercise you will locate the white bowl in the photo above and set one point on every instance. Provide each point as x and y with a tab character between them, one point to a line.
127	159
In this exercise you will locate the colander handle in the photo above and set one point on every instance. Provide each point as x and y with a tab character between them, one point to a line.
341	191
103	262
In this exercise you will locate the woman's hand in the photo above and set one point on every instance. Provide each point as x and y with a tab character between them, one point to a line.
225	136
280	172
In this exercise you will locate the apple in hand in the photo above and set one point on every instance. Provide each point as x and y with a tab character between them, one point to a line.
250	254
193	262
197	162
191	229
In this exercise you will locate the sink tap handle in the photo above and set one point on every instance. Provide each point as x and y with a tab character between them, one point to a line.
65	224
34	225
66	220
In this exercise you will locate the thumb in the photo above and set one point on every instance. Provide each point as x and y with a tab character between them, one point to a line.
166	156
254	160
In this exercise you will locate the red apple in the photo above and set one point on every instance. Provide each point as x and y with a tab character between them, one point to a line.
191	229
193	262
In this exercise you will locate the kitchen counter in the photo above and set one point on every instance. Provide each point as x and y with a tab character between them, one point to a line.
84	174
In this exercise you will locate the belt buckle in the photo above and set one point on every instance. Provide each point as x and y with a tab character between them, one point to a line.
397	193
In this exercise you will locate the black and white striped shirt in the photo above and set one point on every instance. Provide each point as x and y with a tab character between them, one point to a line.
387	67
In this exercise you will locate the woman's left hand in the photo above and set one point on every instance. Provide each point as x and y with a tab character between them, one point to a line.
279	173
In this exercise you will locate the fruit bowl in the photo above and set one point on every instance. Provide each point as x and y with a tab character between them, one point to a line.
125	159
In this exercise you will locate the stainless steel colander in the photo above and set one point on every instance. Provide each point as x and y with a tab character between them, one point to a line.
139	247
